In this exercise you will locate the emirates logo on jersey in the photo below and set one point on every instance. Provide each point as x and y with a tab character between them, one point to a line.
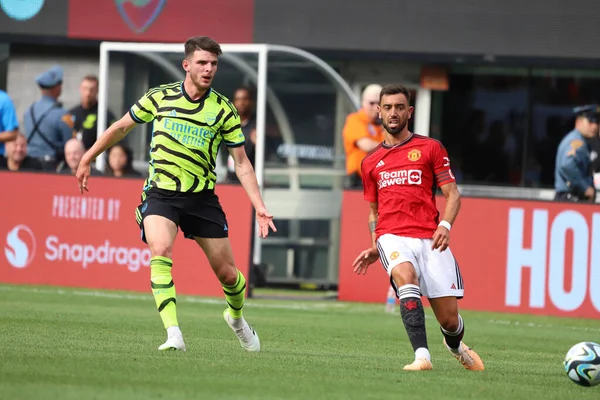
400	177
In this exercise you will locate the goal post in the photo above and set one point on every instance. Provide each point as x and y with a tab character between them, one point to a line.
261	51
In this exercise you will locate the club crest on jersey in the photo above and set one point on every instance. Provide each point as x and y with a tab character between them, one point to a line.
210	118
414	155
394	255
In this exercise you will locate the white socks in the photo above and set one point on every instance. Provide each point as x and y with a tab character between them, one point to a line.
422	352
457	351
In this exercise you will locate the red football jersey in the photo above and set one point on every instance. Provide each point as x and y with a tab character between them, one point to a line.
403	179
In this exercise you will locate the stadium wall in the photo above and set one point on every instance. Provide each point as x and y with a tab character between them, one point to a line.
52	235
516	256
530	257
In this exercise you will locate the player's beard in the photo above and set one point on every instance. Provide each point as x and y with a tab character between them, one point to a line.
200	83
397	129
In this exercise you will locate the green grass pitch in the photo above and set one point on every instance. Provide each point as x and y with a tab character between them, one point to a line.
79	344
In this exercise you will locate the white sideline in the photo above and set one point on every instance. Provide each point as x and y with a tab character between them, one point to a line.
287	305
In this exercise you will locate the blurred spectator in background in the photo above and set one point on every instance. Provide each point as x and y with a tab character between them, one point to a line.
494	163
73	152
244	102
573	174
8	121
85	115
594	144
48	125
16	156
120	162
362	133
546	149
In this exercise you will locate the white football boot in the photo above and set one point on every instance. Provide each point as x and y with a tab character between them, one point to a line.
246	334
174	342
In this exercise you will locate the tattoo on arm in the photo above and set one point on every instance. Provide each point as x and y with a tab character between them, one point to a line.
243	173
372	225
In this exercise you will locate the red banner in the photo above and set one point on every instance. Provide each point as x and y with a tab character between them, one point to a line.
52	235
515	256
226	21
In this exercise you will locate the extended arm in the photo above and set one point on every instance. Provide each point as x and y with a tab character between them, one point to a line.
247	177
114	134
441	237
373	215
452	195
8	136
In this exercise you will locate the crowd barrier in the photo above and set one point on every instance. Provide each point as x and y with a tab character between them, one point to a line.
529	257
52	235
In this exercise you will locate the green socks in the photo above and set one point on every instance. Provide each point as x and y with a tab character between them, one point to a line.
235	296
163	289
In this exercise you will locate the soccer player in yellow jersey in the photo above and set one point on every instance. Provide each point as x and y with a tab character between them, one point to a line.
190	119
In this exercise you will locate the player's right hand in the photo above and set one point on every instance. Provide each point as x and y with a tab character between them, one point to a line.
83	173
366	258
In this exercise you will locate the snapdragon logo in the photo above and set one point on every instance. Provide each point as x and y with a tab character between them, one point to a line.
20	246
86	254
21	10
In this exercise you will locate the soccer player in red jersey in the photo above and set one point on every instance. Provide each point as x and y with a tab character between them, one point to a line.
400	178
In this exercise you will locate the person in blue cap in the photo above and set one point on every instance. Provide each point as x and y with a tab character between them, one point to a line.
573	179
48	125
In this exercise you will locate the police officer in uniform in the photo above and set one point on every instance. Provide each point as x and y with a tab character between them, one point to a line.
48	125
573	179
594	144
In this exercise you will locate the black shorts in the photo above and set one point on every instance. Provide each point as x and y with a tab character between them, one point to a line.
197	214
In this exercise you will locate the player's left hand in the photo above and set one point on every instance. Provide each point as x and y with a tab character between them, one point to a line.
441	238
265	221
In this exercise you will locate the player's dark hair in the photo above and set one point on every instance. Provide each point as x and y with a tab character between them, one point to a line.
201	43
395	88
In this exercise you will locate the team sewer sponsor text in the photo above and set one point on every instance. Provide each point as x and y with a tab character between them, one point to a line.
400	177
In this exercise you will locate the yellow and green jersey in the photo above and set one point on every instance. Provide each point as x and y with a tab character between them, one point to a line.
186	135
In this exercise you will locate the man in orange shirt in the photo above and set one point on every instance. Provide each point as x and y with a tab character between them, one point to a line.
362	133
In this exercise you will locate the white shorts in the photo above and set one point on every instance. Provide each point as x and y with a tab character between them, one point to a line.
438	273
